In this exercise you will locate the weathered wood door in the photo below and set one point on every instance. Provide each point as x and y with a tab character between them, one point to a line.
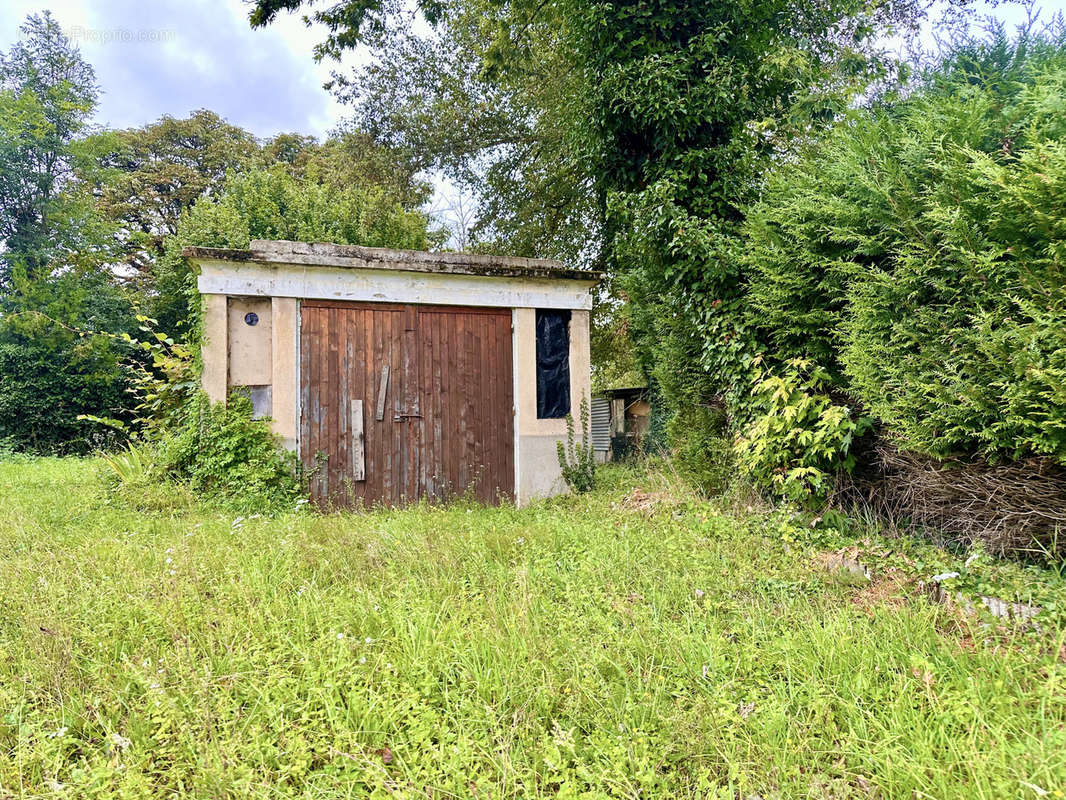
401	403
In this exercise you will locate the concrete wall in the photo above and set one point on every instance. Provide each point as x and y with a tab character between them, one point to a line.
215	350
262	355
250	346
388	286
285	315
537	470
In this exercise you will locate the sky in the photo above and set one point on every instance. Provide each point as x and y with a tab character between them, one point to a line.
156	57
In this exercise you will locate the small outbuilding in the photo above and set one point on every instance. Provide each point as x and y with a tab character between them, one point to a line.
621	419
401	375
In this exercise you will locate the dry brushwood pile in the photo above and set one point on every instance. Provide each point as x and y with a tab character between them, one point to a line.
1017	507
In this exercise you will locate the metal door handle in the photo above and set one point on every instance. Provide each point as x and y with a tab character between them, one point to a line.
404	417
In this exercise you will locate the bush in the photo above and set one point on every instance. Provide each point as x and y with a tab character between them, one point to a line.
701	448
221	452
799	439
60	359
44	389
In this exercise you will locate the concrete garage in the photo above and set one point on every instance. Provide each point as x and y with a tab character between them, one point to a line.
399	375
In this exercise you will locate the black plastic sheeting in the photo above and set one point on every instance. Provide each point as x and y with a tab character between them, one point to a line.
553	364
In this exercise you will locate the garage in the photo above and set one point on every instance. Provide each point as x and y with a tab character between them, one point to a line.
401	376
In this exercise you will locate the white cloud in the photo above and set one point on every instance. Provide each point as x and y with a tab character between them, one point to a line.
174	56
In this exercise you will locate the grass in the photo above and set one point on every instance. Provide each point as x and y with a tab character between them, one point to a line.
610	645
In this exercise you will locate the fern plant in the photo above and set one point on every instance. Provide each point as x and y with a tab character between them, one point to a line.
577	459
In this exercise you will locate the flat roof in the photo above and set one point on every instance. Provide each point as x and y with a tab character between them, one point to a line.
321	254
623	390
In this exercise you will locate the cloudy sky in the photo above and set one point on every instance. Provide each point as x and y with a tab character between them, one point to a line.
173	56
155	57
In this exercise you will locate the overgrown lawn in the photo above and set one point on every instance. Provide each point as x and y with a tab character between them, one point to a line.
613	645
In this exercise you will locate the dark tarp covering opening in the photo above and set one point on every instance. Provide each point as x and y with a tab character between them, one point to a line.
553	364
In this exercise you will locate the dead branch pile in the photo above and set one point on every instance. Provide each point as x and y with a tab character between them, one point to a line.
1017	508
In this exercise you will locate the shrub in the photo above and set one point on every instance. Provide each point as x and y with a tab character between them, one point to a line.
917	256
701	447
59	359
220	451
44	389
798	438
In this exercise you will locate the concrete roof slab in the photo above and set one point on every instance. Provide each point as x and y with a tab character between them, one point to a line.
321	254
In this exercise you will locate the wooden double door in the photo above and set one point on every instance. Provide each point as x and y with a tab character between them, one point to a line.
405	402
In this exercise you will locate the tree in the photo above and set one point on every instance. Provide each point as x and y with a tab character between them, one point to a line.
351	157
146	178
274	204
498	120
47	95
59	308
628	134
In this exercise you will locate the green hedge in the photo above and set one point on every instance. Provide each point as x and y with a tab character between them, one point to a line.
918	254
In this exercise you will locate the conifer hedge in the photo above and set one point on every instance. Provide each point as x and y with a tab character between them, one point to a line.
918	255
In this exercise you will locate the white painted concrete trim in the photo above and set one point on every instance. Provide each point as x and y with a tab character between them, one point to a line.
322	283
297	339
515	375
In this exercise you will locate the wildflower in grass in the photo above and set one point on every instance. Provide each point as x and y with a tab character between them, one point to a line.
368	640
120	741
58	734
362	660
340	636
